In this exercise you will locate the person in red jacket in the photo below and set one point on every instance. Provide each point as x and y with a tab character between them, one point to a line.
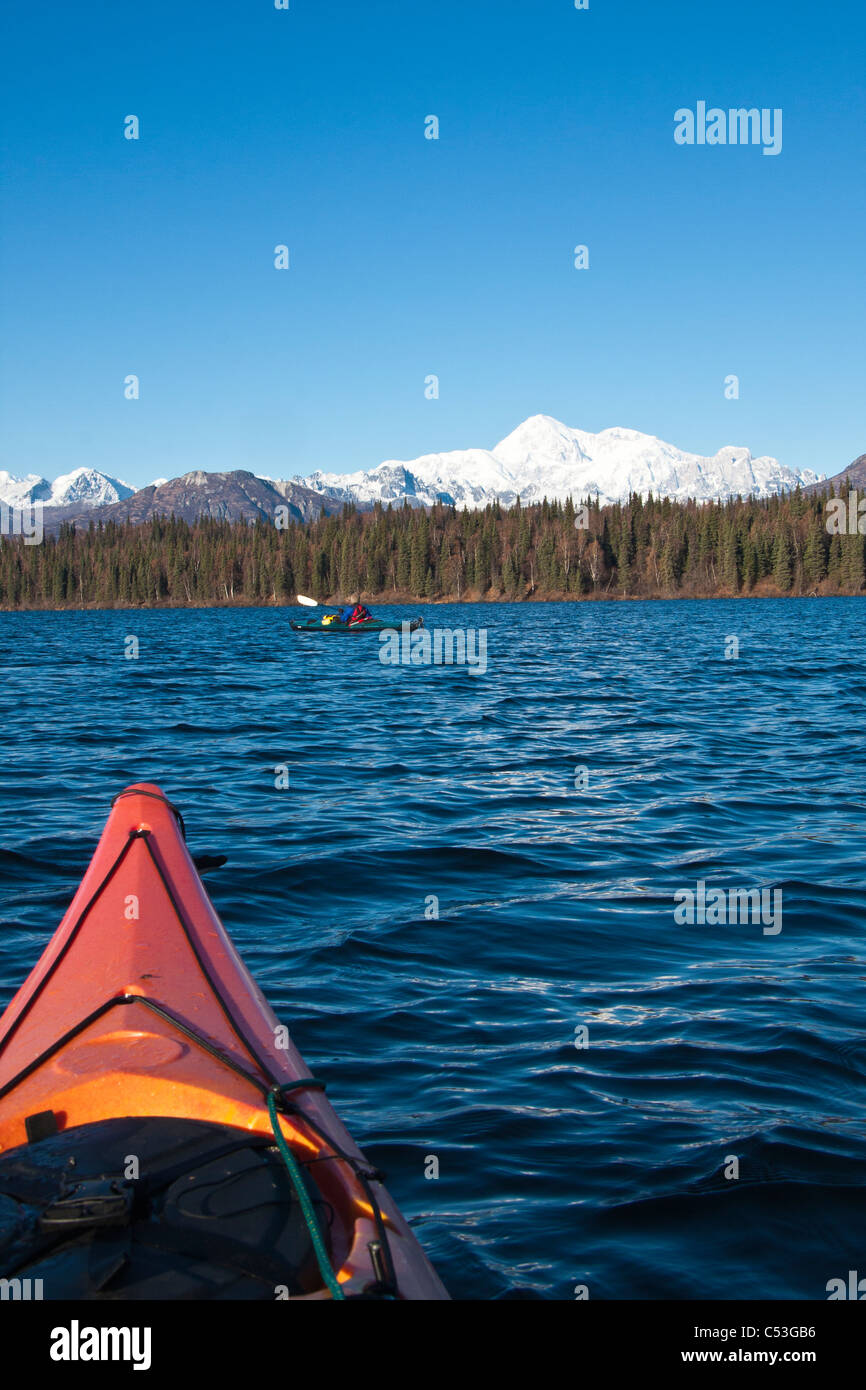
354	611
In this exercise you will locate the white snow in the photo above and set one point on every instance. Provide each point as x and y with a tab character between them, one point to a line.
544	458
83	487
541	458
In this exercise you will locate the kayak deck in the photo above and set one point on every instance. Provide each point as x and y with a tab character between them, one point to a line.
212	1214
140	1007
372	625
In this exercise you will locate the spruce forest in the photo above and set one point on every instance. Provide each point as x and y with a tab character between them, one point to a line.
641	549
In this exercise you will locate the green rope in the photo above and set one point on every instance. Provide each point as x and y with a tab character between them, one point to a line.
306	1205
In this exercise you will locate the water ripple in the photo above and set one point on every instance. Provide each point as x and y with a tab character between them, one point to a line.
437	910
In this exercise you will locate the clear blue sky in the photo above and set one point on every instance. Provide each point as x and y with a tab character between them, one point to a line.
411	256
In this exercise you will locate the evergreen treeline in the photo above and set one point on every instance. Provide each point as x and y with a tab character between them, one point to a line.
645	548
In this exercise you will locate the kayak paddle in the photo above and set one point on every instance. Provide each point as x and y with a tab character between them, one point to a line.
309	602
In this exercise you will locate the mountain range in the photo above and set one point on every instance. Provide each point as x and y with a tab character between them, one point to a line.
235	496
84	488
544	458
541	458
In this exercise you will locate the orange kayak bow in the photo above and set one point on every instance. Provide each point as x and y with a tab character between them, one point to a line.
160	1135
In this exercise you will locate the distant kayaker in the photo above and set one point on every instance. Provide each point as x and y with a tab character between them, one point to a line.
354	611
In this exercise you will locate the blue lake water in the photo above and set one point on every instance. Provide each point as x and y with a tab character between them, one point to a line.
455	1037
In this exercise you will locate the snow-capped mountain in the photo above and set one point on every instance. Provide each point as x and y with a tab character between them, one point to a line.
544	458
541	458
83	487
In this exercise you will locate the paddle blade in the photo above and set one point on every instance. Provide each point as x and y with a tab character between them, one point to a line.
307	602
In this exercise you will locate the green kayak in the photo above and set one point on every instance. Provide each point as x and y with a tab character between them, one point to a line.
371	625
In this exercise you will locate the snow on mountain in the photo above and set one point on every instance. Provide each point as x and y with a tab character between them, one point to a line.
470	476
20	492
86	487
83	487
544	458
541	458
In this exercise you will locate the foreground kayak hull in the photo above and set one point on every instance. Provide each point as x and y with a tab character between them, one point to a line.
354	629
141	1008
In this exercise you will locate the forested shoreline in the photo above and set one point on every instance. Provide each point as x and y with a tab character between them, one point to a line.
645	548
